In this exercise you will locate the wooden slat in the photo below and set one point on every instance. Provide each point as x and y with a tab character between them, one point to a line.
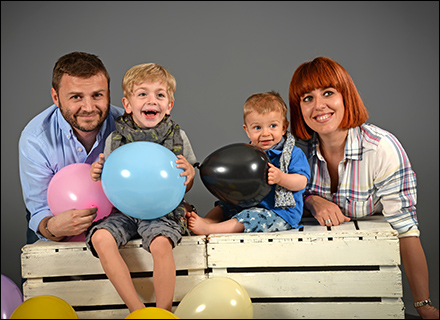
295	310
329	310
372	243
103	314
375	223
319	284
258	285
315	252
102	292
51	259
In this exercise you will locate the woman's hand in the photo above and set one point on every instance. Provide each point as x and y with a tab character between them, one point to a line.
326	212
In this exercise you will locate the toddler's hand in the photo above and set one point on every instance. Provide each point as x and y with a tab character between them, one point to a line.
96	170
274	175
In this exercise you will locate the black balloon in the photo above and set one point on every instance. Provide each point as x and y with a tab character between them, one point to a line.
237	174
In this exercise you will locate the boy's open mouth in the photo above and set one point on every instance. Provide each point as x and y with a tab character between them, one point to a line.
150	114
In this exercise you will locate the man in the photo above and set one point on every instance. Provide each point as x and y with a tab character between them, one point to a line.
72	130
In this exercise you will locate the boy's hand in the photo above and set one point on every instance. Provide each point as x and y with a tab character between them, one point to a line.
96	170
188	170
274	175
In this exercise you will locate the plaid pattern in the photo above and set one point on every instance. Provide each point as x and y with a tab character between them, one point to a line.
375	176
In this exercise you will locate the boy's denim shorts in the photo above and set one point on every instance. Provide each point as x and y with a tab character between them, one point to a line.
255	219
124	228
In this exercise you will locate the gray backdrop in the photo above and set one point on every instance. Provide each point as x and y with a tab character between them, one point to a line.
221	53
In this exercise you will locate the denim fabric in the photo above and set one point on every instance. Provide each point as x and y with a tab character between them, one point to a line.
255	219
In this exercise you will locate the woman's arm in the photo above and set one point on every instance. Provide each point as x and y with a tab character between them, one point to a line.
416	269
323	209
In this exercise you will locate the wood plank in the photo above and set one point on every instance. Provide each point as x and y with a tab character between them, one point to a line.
258	285
108	313
51	259
373	227
102	292
319	284
375	223
103	314
317	252
296	310
329	310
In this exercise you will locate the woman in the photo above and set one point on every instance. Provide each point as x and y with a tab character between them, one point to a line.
357	169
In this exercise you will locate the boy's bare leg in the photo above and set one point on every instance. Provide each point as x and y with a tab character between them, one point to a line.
215	215
199	226
116	269
164	271
195	222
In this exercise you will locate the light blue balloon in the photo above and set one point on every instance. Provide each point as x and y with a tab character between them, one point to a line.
141	180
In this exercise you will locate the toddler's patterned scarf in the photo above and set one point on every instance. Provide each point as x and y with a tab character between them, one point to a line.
166	133
284	197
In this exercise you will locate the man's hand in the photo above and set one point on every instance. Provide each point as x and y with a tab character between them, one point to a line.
68	223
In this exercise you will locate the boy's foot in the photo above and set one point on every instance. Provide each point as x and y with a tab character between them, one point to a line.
197	224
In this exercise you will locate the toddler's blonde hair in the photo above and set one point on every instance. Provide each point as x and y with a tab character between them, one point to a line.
148	72
264	103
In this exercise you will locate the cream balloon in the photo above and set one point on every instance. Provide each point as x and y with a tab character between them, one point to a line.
216	298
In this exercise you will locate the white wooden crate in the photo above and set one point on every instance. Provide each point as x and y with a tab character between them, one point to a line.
347	271
68	270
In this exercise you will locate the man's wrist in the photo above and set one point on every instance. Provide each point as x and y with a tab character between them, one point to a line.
47	229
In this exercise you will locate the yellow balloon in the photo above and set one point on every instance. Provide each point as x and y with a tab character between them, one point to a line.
151	313
44	307
216	298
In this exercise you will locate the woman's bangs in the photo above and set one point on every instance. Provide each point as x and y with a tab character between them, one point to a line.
314	79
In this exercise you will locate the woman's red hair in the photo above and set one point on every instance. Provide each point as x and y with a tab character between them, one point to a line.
320	73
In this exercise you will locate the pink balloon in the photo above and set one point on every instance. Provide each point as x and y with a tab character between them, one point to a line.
73	188
11	297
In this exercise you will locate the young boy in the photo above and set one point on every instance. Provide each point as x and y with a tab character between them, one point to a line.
265	123
148	100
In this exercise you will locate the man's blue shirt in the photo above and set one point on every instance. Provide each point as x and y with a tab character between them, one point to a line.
46	145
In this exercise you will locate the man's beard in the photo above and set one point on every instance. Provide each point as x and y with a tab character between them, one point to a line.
87	126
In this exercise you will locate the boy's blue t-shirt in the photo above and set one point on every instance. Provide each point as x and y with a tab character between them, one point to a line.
298	164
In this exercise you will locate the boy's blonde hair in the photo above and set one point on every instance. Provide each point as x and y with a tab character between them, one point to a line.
264	103
148	72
